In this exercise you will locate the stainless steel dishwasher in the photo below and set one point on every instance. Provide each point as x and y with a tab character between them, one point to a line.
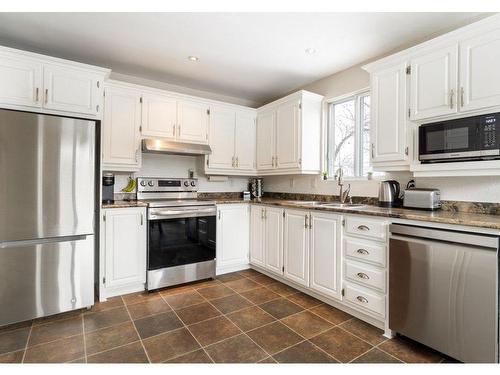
443	290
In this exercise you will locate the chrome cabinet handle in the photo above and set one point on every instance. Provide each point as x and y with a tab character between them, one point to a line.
362	275
232	162
46	96
310	221
178	130
373	150
36	94
363	227
219	214
237	162
362	299
272	162
173	129
262	213
406	150
142	219
276	160
305	222
362	251
461	96
451	98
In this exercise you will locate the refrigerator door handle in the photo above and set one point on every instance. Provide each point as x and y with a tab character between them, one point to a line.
40	241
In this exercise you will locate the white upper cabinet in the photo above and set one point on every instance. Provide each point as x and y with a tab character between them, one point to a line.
266	133
71	90
289	135
120	129
296	246
479	71
192	118
232	140
222	137
388	116
434	84
49	85
159	115
244	141
21	81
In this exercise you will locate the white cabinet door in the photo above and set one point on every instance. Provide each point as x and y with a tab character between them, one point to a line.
125	246
192	120
296	246
287	135
221	140
266	131
70	90
273	239
257	255
159	116
21	81
120	128
232	236
388	130
326	254
479	71
433	89
244	144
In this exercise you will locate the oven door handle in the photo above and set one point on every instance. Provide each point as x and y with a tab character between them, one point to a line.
172	214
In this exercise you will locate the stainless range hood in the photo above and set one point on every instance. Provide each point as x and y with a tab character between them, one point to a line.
163	146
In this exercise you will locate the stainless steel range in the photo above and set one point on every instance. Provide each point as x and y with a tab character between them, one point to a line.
181	231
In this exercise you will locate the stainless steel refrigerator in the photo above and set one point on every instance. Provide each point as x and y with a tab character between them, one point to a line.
47	214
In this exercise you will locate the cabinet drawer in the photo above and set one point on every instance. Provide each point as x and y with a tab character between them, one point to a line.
366	275
368	228
371	302
365	251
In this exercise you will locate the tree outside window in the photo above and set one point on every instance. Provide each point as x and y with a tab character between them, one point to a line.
349	136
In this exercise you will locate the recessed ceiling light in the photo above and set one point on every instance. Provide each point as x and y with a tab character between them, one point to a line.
193	58
310	51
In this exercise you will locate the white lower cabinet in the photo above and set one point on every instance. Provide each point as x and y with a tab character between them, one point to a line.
123	251
266	243
232	237
273	239
257	253
364	265
296	246
326	254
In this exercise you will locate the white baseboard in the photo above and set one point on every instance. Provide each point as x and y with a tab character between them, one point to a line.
237	267
113	292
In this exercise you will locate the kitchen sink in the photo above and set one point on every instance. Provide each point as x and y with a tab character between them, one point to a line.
342	205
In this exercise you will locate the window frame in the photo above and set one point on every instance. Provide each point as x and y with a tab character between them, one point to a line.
329	139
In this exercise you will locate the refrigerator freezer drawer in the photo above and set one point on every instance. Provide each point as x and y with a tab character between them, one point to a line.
45	277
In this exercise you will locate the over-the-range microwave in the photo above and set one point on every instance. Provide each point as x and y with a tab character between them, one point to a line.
464	139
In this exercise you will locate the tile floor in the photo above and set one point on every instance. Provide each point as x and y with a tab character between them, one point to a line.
239	317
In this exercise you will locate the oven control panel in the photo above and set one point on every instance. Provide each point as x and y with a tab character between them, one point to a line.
156	184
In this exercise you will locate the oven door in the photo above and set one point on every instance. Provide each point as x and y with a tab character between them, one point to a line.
179	236
450	141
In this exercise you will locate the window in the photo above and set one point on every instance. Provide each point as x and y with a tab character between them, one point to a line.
348	143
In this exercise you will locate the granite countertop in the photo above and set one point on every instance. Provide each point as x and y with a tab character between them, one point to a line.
440	216
124	204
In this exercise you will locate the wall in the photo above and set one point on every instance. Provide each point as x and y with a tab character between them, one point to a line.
182	89
158	165
476	189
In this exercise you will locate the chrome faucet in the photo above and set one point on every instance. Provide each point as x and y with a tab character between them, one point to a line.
343	195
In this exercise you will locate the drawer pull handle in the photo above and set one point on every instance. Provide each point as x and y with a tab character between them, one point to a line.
363	227
362	275
362	299
362	251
